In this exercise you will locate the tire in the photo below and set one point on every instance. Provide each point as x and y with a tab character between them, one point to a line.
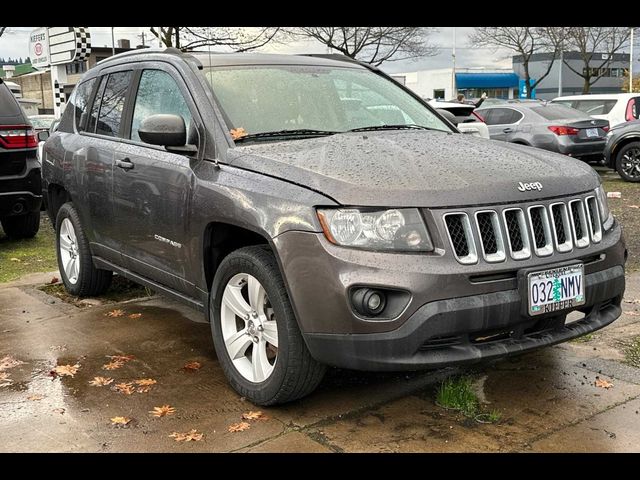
22	226
84	279
294	373
628	162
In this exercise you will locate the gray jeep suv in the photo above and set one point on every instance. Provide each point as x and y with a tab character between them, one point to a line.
319	213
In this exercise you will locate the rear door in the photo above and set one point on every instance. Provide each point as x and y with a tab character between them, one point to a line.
502	122
152	187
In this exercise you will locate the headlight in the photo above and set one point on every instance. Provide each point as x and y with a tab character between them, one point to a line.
394	229
603	203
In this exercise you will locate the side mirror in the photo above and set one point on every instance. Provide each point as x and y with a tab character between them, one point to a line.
43	136
165	130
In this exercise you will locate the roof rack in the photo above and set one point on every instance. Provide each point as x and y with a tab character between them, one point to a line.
341	58
142	51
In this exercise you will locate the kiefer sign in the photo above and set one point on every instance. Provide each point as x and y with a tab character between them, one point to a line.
39	48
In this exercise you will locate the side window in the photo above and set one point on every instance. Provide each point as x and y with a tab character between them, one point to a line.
93	117
487	114
515	116
82	97
501	116
158	93
112	104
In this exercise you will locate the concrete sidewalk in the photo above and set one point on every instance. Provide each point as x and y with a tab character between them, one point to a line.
547	399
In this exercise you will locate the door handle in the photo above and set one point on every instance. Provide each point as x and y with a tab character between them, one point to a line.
124	164
508	130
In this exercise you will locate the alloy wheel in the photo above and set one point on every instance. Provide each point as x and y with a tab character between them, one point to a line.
69	251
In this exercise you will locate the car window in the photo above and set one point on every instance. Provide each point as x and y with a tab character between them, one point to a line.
594	107
158	93
79	100
9	107
112	104
557	112
95	108
486	114
502	116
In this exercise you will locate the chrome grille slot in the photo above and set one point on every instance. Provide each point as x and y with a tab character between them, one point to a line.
561	226
516	227
540	231
595	225
461	238
579	226
490	236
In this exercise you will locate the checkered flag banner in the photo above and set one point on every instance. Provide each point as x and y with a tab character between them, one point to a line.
58	91
83	43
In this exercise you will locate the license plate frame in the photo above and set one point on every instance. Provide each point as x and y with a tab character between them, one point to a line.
593	133
566	295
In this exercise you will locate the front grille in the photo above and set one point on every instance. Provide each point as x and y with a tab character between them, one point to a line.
539	229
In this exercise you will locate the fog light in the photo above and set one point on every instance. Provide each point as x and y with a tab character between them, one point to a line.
368	302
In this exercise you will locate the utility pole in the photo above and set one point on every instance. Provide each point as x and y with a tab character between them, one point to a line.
142	36
560	70
631	63
113	43
453	69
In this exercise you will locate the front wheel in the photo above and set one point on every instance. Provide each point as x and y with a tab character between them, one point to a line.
79	275
628	162
255	332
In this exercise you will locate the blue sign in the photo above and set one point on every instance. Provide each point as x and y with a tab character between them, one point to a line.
522	88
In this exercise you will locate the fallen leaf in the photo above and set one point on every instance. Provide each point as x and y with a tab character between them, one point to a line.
135	315
112	365
9	362
120	421
143	382
5	381
126	388
101	381
14	259
66	370
162	411
239	427
190	436
115	313
54	280
192	366
35	397
634	206
603	383
59	410
121	358
237	133
251	415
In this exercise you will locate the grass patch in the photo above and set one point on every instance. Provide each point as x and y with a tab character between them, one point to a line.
583	339
120	290
21	257
456	393
632	352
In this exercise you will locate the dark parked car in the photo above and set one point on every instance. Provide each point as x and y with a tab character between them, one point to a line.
20	177
272	193
622	152
552	127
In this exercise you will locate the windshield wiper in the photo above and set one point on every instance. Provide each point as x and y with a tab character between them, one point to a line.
404	126
300	132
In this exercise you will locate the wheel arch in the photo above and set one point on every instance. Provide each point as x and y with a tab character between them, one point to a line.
619	145
57	196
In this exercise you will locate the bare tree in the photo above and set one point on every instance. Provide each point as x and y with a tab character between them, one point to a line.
237	39
524	41
589	41
371	44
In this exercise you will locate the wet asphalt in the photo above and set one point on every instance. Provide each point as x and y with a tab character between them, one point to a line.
548	400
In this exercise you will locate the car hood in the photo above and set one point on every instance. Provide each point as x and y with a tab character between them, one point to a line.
416	168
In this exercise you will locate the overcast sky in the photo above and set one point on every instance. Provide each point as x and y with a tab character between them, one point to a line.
15	43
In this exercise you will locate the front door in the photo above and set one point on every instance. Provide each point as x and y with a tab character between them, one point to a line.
151	187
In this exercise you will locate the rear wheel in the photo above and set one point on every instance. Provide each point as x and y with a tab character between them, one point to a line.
628	162
22	226
255	332
79	275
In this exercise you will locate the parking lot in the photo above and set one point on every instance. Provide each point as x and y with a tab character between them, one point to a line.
579	396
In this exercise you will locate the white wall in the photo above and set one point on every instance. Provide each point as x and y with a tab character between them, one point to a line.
426	81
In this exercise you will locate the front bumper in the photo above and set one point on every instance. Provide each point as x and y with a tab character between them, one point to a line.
469	329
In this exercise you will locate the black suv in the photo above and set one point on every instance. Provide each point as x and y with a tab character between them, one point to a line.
20	177
320	213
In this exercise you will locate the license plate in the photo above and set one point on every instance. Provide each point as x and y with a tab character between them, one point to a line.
556	289
592	132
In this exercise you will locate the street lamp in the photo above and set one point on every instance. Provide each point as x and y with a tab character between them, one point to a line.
631	63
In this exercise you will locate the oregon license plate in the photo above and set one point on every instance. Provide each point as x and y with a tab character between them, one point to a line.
592	132
556	289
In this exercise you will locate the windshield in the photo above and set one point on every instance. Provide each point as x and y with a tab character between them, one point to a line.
39	122
274	98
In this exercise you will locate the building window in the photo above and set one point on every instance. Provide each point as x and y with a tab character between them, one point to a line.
439	94
76	67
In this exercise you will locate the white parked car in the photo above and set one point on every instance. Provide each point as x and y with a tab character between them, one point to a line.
465	119
615	107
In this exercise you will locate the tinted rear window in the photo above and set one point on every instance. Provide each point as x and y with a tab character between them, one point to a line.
594	107
9	106
557	112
